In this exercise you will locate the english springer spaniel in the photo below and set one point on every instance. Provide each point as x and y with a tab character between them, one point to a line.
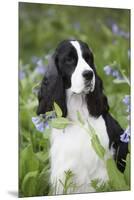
73	83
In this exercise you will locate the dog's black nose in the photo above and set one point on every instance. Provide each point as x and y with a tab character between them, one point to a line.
88	74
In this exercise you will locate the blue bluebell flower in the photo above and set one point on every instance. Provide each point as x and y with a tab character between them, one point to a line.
22	75
113	72
35	59
39	124
117	31
126	99
108	70
42	122
124	34
115	28
125	137
40	68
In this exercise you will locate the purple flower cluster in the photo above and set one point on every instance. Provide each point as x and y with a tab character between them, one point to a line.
40	68
42	122
113	72
126	101
117	31
39	124
22	75
125	137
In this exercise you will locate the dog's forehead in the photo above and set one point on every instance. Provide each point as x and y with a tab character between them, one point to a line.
65	46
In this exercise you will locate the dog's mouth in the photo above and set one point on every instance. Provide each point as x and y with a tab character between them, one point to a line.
89	86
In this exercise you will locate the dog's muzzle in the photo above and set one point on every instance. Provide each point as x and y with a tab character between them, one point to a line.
89	80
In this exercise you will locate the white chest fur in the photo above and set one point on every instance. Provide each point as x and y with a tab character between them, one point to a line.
71	150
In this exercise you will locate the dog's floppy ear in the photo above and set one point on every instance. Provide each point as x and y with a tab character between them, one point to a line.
51	90
97	102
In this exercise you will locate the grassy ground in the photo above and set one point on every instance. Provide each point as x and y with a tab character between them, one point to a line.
41	28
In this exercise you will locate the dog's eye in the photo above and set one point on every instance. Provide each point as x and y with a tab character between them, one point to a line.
69	60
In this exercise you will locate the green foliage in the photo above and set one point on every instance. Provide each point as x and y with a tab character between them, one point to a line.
116	178
99	149
60	123
103	187
68	183
42	27
127	174
32	164
29	184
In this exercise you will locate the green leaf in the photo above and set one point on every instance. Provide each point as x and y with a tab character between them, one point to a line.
101	186
60	123
91	129
116	178
79	117
127	170
68	183
99	149
29	184
28	161
43	181
57	110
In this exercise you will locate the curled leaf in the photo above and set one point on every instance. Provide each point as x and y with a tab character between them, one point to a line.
57	110
99	149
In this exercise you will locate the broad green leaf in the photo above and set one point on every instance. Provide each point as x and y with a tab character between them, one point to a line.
127	170
29	184
57	110
99	149
60	123
116	178
79	117
28	161
43	181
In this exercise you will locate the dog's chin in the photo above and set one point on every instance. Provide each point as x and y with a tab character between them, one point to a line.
85	90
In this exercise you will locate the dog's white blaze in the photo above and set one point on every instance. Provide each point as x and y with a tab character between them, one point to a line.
77	80
71	149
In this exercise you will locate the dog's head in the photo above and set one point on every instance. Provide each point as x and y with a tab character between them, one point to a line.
74	61
70	67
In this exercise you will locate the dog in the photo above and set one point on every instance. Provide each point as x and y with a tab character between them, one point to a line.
72	82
